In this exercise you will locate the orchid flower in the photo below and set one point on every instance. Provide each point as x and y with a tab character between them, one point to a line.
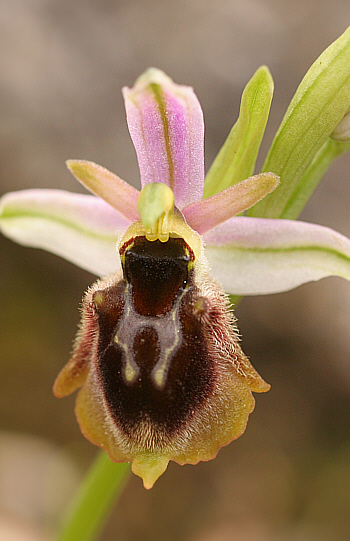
157	356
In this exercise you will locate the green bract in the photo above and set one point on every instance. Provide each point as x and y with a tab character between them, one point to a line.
297	154
236	159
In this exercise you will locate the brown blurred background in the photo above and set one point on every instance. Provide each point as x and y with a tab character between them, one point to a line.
62	66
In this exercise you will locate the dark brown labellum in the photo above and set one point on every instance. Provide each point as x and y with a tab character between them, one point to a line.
152	355
158	360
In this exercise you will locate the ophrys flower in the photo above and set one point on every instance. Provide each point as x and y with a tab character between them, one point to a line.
163	376
157	357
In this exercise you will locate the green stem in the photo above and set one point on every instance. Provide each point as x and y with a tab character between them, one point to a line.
94	499
235	299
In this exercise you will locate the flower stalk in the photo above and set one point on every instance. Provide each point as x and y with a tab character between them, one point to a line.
89	510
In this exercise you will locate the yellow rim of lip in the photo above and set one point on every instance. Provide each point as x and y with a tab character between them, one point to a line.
176	228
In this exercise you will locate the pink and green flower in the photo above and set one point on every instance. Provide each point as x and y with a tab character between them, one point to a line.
157	357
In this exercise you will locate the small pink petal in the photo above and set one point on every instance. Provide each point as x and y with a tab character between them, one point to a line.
108	186
166	125
208	213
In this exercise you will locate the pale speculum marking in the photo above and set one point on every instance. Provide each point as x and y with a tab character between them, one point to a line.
168	331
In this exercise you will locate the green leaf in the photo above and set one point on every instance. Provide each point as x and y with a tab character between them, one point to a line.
236	159
313	174
316	109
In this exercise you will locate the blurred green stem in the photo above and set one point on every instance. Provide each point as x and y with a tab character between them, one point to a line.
94	499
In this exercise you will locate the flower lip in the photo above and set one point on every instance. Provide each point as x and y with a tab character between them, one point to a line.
165	369
141	359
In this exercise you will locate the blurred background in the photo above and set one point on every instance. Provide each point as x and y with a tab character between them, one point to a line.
62	66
